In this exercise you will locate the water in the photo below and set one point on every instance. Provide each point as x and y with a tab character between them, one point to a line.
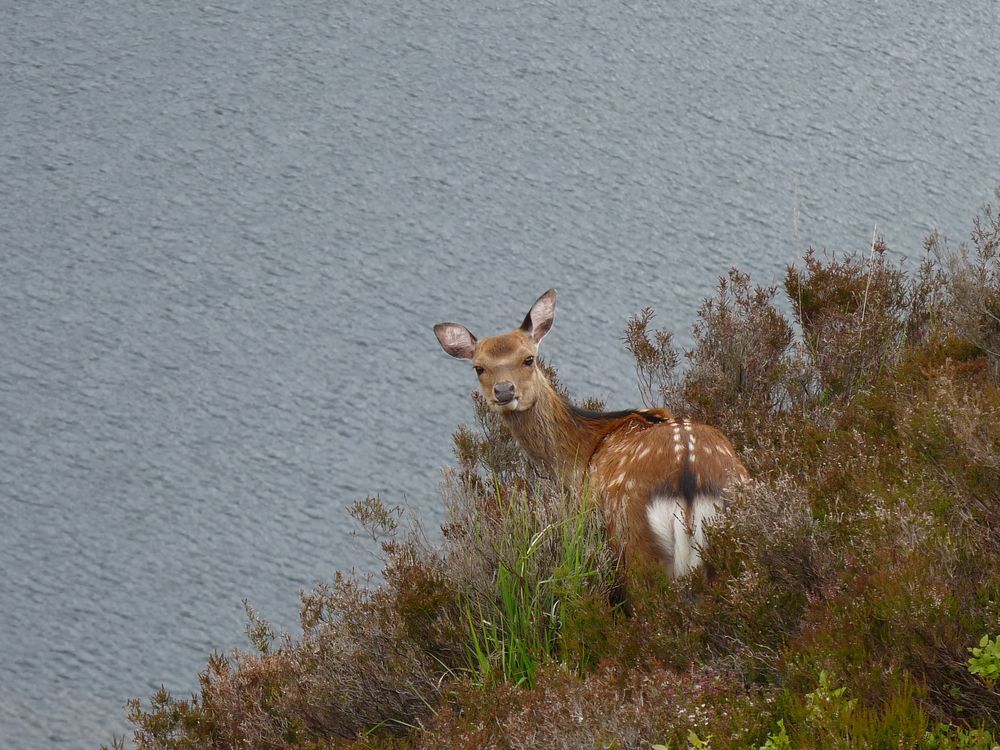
227	228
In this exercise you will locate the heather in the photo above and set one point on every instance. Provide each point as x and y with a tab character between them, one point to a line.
851	591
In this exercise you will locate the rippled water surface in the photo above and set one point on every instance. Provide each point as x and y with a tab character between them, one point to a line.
227	227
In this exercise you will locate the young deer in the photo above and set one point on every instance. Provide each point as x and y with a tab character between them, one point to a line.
658	478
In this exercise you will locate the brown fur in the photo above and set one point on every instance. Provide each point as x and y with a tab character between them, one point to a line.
629	458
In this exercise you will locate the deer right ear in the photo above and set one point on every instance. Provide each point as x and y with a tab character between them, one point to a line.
540	317
457	340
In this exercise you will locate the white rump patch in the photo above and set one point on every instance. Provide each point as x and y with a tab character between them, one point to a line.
681	547
665	515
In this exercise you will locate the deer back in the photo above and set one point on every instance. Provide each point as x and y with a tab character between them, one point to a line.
658	484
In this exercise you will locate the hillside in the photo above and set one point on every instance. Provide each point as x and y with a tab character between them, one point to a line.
844	586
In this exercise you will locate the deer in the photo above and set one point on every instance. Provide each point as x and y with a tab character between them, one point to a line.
658	479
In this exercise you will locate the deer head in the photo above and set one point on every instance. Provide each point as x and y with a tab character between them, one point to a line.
505	364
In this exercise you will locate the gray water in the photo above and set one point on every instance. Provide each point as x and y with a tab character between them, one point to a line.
227	227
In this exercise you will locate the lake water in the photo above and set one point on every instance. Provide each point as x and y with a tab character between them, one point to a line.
227	229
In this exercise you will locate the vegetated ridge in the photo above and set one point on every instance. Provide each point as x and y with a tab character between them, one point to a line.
851	591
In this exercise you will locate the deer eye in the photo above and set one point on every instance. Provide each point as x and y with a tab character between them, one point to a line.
529	361
479	370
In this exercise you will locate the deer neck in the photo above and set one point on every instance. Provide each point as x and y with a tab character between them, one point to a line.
556	441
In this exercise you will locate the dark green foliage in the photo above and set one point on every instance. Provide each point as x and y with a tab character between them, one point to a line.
843	588
828	717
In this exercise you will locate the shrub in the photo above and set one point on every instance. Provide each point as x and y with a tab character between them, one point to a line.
850	312
973	285
614	706
985	660
827	718
738	366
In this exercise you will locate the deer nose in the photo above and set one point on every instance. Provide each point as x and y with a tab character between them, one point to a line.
504	392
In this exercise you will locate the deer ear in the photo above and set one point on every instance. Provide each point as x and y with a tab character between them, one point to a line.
539	319
457	340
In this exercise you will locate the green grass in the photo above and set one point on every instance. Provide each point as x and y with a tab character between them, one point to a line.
546	572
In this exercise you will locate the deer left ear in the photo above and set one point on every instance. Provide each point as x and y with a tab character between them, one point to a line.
540	317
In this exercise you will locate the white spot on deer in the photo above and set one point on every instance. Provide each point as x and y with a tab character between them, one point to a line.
643	453
678	448
693	456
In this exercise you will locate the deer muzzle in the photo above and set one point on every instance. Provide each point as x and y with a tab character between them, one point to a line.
503	393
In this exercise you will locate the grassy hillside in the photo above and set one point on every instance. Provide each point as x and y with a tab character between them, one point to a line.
843	590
